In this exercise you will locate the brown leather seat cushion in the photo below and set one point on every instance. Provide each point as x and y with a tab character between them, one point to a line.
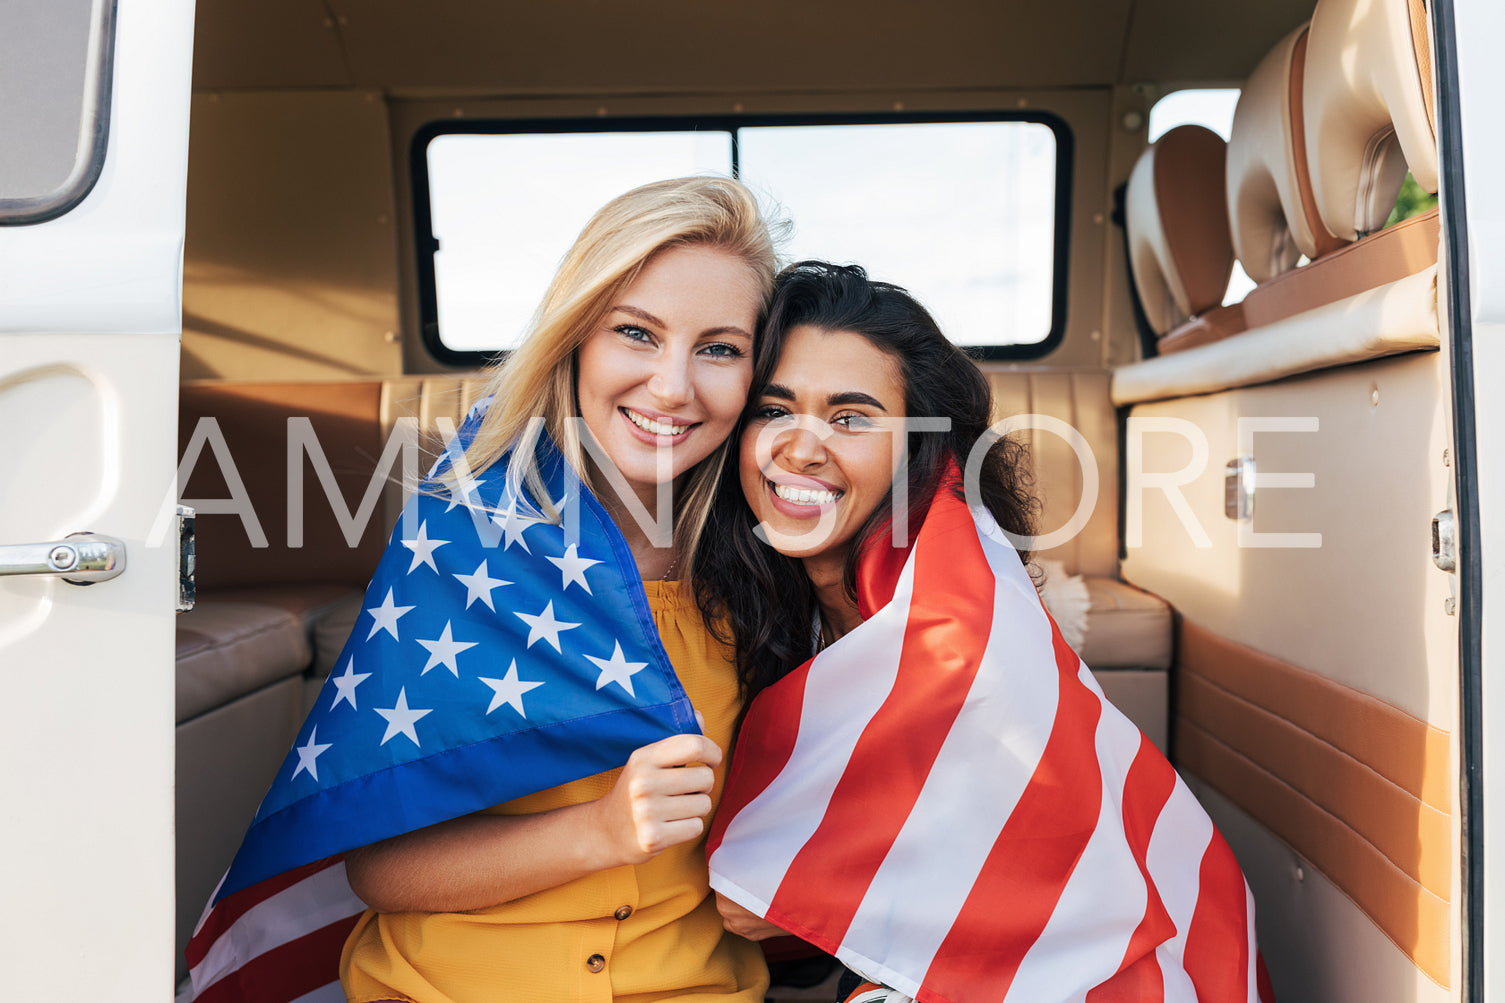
226	650
1126	627
1401	249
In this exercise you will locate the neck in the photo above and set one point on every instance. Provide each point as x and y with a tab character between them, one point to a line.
838	613
653	562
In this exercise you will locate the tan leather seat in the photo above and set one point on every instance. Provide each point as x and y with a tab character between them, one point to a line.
1325	130
1180	249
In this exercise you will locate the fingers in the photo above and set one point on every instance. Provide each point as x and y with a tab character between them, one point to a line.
663	795
680	750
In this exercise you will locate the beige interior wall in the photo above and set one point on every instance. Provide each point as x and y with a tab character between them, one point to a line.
1366	608
290	265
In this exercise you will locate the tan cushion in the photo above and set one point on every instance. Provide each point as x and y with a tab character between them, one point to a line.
227	759
1144	697
332	630
1368	112
1180	250
1126	627
1214	325
226	650
1398	317
1078	397
1395	252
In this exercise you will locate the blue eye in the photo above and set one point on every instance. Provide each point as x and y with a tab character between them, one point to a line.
633	332
722	350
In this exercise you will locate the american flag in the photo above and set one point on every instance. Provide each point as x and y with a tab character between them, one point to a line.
497	655
944	800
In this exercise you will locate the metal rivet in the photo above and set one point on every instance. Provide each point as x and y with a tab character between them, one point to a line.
63	558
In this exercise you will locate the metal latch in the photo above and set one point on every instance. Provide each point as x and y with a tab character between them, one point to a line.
1444	541
80	559
1238	489
187	560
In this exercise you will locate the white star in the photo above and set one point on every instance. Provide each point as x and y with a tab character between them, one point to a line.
479	586
423	548
572	567
617	670
387	615
347	683
465	486
400	719
513	525
444	650
545	626
308	754
509	690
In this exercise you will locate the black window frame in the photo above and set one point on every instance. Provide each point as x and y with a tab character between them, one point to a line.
427	245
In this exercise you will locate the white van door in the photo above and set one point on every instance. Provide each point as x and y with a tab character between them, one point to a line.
94	114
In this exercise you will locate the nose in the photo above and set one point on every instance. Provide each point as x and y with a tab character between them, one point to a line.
799	448
671	382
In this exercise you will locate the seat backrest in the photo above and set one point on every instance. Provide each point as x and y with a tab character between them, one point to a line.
1272	214
1176	214
1368	109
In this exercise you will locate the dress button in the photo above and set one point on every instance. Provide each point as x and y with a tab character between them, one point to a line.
595	962
623	912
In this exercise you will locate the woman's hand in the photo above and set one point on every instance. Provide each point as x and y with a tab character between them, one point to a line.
743	922
660	799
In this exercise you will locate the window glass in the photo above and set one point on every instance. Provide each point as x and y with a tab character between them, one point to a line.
54	91
962	214
505	208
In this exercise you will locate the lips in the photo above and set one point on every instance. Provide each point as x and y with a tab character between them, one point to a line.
802	498
662	428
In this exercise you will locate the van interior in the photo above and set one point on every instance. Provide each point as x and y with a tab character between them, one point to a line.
1286	636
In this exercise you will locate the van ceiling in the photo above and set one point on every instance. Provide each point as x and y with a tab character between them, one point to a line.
503	47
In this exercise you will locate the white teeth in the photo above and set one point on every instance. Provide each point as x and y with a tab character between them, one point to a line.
804	496
655	427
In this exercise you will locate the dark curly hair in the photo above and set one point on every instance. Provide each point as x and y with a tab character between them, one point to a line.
765	599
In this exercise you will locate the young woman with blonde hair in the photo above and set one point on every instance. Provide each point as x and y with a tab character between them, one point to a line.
522	812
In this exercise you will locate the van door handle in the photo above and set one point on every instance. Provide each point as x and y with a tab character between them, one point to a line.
81	559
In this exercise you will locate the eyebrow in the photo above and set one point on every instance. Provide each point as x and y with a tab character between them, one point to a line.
834	400
644	315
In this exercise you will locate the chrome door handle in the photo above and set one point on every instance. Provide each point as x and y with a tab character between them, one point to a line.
81	559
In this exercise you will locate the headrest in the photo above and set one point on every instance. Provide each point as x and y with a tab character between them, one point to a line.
1368	109
1177	220
1273	216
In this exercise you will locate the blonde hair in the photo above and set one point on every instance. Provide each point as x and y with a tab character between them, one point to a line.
538	379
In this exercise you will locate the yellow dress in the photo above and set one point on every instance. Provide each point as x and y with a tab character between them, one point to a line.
625	935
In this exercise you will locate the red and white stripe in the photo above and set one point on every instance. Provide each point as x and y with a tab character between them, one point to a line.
278	941
944	800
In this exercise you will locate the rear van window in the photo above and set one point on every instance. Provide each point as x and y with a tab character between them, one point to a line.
967	212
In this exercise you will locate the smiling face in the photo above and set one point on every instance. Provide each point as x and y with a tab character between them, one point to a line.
669	366
820	451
